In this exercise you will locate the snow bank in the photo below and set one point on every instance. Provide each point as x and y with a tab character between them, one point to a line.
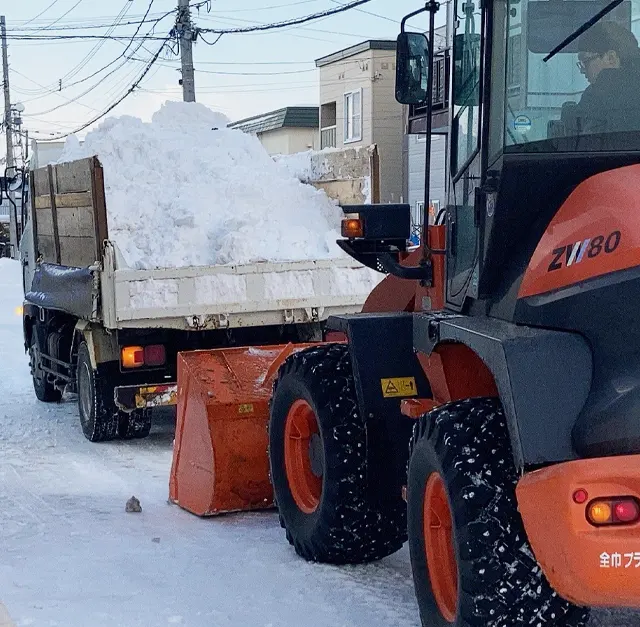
184	190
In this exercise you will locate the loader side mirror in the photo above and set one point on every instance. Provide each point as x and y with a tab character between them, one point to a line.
412	68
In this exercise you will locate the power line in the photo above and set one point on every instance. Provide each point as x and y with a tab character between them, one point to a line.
292	22
119	100
122	56
63	15
42	12
80	37
39	85
92	53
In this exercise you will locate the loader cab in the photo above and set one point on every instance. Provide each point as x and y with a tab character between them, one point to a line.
521	133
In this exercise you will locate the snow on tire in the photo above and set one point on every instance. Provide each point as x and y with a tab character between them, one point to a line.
335	520
498	582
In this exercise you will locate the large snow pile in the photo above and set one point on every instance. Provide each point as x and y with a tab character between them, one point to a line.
184	190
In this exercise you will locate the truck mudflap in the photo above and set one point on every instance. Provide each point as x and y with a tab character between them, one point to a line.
589	565
131	397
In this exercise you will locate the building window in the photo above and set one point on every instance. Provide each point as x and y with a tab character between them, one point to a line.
328	125
353	116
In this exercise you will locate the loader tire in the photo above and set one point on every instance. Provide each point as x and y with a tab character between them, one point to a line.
44	389
318	464
98	412
134	426
471	560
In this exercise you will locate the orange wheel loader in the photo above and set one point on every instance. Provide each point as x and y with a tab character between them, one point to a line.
485	405
493	379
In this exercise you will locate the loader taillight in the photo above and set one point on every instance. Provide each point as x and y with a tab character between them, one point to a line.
626	511
580	496
352	228
132	357
613	511
138	356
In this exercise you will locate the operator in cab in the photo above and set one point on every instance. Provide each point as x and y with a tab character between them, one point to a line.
609	57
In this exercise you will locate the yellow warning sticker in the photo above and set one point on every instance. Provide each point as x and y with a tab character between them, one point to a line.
246	409
399	387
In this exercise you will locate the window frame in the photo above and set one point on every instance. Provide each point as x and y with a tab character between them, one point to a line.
349	96
458	169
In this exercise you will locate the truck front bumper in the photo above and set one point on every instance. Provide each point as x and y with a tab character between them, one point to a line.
131	397
587	565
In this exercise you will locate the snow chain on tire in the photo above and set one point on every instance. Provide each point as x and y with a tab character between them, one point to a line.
500	584
347	527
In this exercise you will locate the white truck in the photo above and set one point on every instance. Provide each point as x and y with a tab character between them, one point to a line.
111	334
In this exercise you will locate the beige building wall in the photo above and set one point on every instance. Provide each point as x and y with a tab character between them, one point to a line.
373	72
344	76
388	126
286	141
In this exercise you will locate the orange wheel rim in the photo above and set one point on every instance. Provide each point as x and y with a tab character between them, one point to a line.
303	457
438	540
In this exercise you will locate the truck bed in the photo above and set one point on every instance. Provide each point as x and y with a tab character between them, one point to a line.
215	297
81	271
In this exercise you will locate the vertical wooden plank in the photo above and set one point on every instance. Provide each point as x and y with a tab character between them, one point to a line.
54	214
375	176
34	217
99	206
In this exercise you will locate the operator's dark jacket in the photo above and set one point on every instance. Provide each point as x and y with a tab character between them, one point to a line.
612	103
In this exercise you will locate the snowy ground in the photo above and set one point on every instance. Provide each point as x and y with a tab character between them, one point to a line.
70	556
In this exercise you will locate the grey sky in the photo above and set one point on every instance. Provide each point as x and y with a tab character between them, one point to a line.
242	75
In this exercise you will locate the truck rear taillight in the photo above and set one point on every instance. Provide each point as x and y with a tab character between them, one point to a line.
132	357
613	511
155	355
139	356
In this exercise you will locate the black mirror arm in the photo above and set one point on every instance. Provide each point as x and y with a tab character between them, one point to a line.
406	18
413	273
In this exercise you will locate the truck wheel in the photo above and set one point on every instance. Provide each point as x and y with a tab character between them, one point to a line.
472	564
44	389
135	425
318	464
98	413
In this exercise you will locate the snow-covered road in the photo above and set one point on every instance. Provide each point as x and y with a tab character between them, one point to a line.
71	557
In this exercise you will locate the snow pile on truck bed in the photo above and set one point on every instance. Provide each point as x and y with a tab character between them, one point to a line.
184	190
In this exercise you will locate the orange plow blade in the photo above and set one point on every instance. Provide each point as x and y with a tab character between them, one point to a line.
220	460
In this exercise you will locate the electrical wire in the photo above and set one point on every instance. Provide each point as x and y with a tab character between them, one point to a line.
63	15
131	89
292	22
125	59
84	62
33	19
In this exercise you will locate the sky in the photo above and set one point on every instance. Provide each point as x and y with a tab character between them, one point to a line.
242	75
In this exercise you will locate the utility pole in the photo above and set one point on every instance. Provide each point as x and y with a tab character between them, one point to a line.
8	126
186	49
